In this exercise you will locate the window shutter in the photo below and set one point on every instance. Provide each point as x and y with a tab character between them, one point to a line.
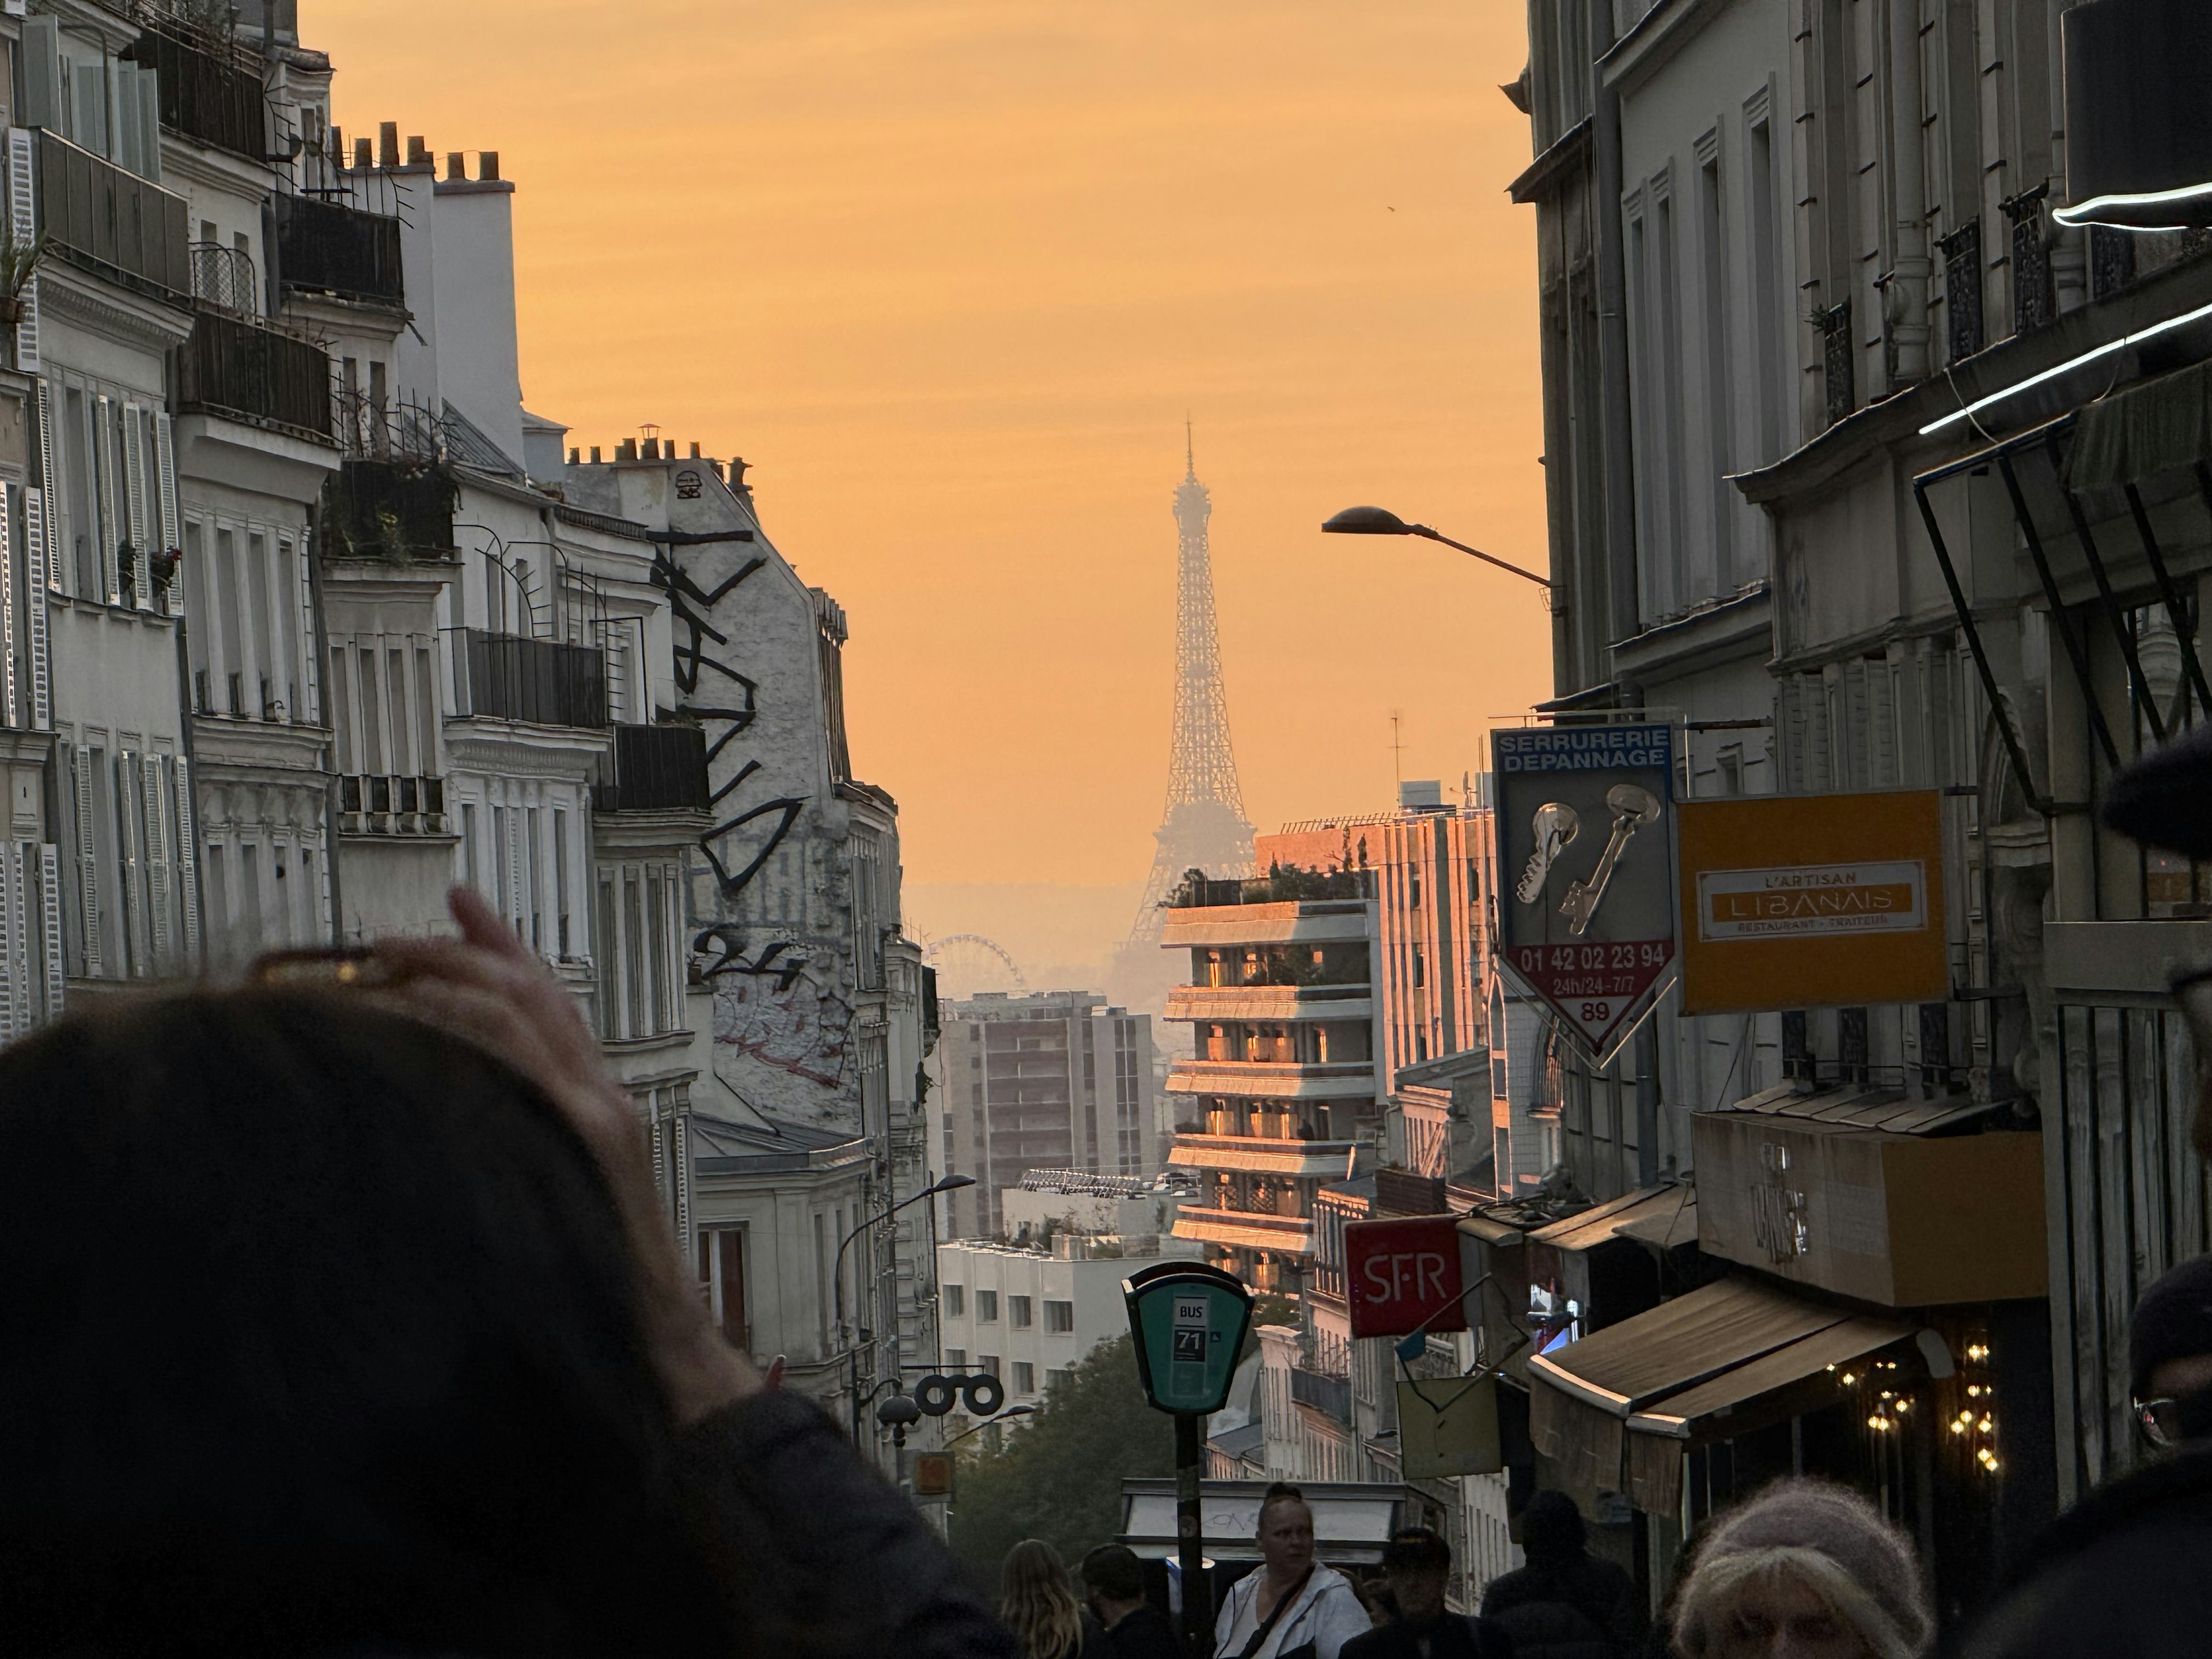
130	824
149	123
87	865
88	108
122	98
11	699
134	484
103	453
34	601
14	981
188	869
50	930
23	224
164	459
42	72
158	841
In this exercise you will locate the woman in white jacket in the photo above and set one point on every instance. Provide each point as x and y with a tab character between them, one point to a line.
1293	1607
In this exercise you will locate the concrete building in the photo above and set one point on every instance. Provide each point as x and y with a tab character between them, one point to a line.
1074	1201
1047	1079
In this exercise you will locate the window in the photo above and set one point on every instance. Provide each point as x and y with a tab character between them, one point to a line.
1017	1312
956	1359
986	1307
722	1271
1025	1377
955	1300
987	1363
1060	1317
1056	1380
561	880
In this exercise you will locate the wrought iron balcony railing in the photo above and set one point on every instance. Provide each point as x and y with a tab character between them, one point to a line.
657	768
372	804
327	247
1332	1395
210	90
245	370
507	677
223	278
108	220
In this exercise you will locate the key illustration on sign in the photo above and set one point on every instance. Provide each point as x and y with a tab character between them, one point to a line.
1632	809
1555	827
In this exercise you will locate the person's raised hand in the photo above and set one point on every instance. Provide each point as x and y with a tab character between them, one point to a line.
487	988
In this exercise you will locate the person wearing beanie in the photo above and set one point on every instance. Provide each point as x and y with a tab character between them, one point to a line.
1805	1570
2170	1357
1564	1604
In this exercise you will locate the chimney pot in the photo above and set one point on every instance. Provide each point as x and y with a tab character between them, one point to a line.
595	455
487	166
419	151
364	156
575	455
717	465
335	145
694	449
457	165
387	143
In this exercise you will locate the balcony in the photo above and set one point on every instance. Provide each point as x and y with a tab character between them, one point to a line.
223	278
1250	1230
372	804
246	371
211	91
1262	1080
109	221
1306	1160
324	247
1329	1395
1270	1003
508	677
396	509
657	768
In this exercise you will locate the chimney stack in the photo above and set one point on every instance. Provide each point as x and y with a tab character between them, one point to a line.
595	455
576	455
419	152
457	165
364	157
694	449
626	450
387	143
487	166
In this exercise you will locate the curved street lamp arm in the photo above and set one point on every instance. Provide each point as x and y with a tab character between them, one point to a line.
1476	552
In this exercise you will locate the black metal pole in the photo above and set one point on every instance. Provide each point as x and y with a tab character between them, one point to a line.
1190	1537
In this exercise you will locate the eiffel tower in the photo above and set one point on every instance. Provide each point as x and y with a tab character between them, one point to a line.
1204	827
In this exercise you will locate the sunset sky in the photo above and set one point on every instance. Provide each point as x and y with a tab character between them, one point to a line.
949	273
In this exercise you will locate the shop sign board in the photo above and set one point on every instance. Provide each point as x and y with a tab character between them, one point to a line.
1403	1275
1447	1426
1813	900
1586	869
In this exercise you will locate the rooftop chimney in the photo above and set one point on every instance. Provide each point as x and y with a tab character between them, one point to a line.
419	151
595	455
717	465
487	166
457	165
694	449
387	143
576	455
364	156
652	449
626	450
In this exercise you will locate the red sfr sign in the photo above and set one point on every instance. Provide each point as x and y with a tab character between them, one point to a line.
1402	1272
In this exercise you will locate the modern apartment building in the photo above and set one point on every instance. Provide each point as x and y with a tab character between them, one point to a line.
1047	1079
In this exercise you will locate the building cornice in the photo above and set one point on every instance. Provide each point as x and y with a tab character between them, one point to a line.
1741	626
1537	178
65	292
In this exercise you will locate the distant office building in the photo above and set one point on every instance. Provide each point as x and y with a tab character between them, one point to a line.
1053	1079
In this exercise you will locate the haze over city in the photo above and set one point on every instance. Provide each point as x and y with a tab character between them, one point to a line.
950	278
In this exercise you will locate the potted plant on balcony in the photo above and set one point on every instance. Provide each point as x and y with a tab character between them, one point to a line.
18	262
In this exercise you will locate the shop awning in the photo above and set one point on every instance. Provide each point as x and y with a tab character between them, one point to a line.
1601	1223
1857	1107
1707	1365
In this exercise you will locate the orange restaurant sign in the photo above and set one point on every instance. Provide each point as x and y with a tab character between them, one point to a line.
1855	915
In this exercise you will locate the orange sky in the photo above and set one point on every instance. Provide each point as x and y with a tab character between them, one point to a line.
948	272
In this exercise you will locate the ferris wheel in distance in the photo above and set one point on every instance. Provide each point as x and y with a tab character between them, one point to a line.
968	963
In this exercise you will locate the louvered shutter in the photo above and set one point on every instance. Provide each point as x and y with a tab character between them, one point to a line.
50	929
130	824
149	91
165	458
158	841
23	228
188	866
513	896
37	567
134	490
12	702
87	865
13	978
103	453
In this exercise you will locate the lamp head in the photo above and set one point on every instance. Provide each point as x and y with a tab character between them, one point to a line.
898	1412
1367	521
953	1183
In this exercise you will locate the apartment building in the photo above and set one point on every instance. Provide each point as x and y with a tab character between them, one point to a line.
1047	1079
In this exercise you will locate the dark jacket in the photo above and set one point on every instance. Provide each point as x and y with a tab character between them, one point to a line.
1145	1634
1566	1607
2122	1571
822	1556
1454	1636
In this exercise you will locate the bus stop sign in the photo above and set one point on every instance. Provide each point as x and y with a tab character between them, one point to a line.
1187	1321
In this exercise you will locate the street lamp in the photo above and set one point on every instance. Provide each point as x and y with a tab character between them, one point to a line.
1011	1411
1380	521
949	1183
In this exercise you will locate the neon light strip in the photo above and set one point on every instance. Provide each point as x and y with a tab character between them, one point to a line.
2091	356
2087	213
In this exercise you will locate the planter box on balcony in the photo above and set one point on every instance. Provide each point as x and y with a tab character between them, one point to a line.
389	510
